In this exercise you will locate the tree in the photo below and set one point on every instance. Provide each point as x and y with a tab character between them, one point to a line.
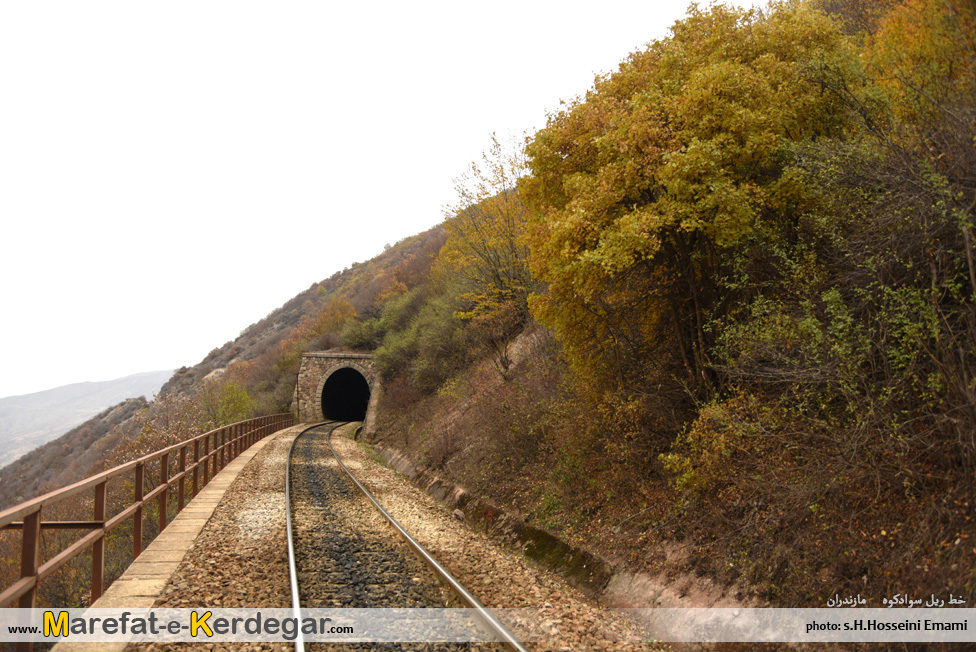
224	401
486	249
858	16
666	195
311	330
918	187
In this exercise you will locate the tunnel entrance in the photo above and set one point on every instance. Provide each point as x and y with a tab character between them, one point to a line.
345	396
338	385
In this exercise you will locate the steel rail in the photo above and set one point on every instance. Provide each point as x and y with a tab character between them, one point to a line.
491	623
505	637
292	569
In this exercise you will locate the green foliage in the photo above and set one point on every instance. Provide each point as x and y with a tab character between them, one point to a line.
424	341
476	297
400	310
724	430
224	402
851	385
365	335
809	342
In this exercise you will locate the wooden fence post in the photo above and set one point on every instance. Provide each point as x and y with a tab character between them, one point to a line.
206	466
30	555
181	492
196	466
223	446
137	517
30	543
98	548
163	497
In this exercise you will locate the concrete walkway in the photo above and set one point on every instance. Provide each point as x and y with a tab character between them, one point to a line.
141	584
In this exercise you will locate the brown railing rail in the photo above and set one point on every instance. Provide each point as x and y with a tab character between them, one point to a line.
210	452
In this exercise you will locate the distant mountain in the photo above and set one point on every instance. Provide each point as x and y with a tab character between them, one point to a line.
30	420
71	457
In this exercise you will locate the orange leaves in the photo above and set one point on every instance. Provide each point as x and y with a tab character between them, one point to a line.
332	317
923	57
329	319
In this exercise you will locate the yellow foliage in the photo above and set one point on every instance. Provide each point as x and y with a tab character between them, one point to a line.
641	190
486	253
924	57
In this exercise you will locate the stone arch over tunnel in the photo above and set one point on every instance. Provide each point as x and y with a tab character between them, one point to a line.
345	395
335	385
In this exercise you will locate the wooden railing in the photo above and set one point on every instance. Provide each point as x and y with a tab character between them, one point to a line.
206	454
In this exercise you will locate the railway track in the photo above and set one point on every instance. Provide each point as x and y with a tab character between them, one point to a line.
346	551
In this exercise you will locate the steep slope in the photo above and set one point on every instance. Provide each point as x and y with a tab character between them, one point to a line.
405	262
85	449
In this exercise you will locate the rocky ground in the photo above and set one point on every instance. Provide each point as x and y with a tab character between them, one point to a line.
550	614
240	560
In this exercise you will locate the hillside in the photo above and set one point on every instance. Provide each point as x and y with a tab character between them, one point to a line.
261	344
29	420
716	319
70	457
114	435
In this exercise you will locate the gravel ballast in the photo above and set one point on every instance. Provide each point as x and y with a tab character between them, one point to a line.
240	559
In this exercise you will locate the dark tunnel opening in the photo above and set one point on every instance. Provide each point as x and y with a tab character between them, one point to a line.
345	396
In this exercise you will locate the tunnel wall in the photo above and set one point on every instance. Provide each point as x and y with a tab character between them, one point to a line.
315	370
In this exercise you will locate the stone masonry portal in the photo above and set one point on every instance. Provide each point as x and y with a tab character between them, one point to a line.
340	386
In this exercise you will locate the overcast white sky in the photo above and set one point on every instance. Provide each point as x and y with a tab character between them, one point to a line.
171	172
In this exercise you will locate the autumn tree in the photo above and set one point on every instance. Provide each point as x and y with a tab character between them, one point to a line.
666	195
857	16
924	60
169	419
486	250
902	247
224	401
311	330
